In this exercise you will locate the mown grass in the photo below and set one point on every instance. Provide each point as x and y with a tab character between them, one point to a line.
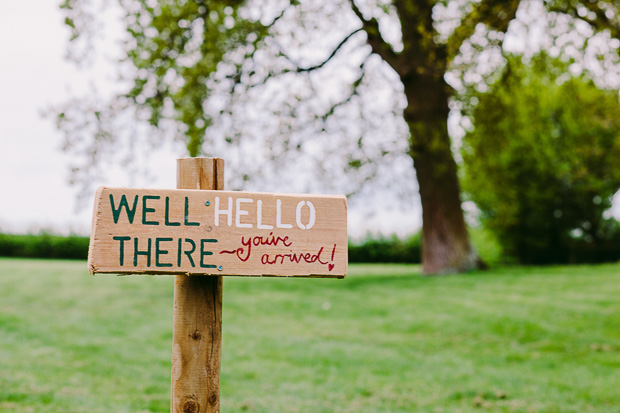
382	340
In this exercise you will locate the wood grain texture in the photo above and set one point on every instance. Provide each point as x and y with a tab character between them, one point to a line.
206	232
197	330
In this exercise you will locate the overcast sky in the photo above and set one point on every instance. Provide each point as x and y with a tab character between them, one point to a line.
33	170
34	75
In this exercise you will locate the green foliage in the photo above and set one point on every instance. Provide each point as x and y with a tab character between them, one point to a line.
383	339
409	250
176	47
487	246
387	250
44	246
170	53
541	163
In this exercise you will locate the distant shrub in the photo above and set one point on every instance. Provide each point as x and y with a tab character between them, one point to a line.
44	246
488	247
387	250
541	163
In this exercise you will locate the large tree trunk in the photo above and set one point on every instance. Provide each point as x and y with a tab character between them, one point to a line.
446	244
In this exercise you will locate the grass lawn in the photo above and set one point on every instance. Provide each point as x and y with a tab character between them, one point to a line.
382	340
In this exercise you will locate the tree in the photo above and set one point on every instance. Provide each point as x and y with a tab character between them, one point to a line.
541	160
194	65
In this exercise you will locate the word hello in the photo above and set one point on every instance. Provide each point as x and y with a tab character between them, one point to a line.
229	212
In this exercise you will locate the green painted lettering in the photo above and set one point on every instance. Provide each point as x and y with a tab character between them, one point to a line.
146	253
167	215
187	222
121	253
159	252
179	252
116	213
204	253
189	253
145	209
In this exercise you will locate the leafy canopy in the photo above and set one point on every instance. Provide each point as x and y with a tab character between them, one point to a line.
313	85
541	162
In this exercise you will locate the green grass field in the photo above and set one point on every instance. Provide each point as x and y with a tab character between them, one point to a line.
382	340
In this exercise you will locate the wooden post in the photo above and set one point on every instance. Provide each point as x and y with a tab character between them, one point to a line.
197	314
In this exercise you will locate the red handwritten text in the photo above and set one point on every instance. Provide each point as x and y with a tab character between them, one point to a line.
297	258
244	253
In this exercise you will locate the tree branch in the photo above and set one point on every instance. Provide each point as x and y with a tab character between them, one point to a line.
601	16
601	22
278	17
330	57
300	69
354	92
375	40
496	15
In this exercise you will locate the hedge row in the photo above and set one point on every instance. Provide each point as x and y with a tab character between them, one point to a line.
44	246
387	250
379	250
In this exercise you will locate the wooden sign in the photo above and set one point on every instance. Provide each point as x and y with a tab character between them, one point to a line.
200	232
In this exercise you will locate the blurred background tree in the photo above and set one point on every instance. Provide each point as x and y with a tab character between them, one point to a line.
541	162
349	91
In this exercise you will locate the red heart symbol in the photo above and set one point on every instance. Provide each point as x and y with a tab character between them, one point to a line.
330	266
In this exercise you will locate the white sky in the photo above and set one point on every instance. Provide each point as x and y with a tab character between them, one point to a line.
34	192
33	75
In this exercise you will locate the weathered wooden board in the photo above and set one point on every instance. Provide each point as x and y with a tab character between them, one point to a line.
199	232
